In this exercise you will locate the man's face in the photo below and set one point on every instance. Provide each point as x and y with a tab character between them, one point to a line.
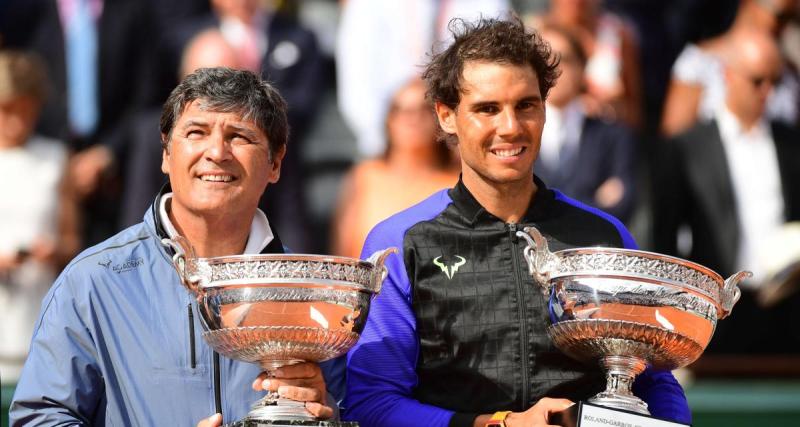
750	82
17	119
498	122
569	84
218	163
411	123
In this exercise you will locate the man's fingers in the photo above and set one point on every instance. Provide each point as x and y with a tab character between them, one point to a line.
300	370
212	421
555	404
561	404
258	382
273	384
319	410
300	394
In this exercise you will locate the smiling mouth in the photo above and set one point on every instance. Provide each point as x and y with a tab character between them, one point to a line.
508	153
216	178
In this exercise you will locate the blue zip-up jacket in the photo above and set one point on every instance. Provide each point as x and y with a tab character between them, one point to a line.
115	345
459	327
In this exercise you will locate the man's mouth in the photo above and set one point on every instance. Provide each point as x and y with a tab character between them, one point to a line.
508	153
217	178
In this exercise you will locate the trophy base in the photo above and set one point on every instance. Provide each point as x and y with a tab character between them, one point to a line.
274	411
583	414
248	422
622	402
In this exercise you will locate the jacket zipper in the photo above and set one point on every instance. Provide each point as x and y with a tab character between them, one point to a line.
193	362
522	315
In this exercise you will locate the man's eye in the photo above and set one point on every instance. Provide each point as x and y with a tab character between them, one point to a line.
240	139
487	109
529	105
194	134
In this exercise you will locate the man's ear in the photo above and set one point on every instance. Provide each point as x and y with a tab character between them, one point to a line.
164	154
447	118
275	167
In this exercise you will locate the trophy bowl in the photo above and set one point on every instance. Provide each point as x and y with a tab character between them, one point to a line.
280	309
626	309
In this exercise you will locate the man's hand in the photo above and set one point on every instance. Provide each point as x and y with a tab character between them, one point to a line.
87	167
302	382
538	414
610	193
212	421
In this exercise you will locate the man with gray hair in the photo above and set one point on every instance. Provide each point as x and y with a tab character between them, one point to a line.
115	341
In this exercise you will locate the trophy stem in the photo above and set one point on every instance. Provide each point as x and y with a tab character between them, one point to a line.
620	373
273	407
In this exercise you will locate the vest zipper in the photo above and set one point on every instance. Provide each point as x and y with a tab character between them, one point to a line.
192	356
217	386
522	315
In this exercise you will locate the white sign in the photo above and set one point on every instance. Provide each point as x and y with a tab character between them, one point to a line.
597	416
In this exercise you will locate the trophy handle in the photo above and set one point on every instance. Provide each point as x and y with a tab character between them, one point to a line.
379	273
540	260
184	261
730	292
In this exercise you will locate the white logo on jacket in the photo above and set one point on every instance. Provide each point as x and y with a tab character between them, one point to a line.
449	270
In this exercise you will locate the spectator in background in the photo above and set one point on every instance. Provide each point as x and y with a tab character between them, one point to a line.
380	44
733	181
272	43
698	86
37	210
97	54
613	80
414	166
588	158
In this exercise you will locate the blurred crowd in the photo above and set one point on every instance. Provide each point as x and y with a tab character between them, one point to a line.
680	118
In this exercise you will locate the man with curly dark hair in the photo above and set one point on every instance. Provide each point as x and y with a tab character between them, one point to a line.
459	331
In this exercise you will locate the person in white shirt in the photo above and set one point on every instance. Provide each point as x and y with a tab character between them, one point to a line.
37	210
732	183
698	86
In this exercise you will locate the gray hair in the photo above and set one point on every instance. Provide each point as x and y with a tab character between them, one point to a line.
230	91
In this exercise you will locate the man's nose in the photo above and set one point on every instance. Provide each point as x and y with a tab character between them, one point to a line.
218	149
509	124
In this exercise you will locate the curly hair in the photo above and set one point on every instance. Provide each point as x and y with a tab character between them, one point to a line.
488	40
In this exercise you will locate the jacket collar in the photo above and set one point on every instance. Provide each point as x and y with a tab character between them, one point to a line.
275	246
475	213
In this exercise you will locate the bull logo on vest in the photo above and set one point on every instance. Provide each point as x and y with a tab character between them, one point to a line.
449	270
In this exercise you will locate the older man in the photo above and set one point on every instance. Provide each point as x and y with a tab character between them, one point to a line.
116	342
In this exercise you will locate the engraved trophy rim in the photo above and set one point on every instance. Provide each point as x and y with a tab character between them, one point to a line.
638	253
286	257
208	270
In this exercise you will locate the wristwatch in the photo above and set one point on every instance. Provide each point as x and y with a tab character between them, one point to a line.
498	419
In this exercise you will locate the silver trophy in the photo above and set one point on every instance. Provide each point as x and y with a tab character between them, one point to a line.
280	309
628	308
